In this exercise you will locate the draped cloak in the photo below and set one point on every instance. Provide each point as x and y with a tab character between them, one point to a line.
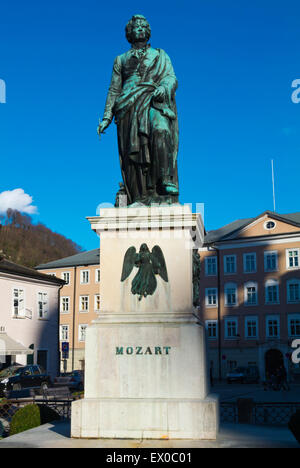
130	98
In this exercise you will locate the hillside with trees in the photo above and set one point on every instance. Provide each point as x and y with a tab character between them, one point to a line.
30	244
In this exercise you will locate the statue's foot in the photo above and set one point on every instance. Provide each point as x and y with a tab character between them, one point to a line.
171	189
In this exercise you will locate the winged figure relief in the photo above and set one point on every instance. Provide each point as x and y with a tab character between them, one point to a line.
149	264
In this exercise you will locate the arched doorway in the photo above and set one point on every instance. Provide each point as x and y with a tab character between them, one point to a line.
273	360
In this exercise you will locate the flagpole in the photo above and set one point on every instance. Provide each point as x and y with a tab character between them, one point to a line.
273	184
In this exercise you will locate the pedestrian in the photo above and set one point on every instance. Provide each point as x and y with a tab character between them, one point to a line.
282	375
211	376
273	381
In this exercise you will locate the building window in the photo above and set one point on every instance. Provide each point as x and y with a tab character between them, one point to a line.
231	328
250	263
271	261
97	301
229	264
64	333
250	292
269	225
84	303
211	297
294	326
42	305
18	303
273	330
212	329
211	266
64	305
85	276
251	327
97	275
293	291
272	292
231	365
230	294
82	332
66	277
292	258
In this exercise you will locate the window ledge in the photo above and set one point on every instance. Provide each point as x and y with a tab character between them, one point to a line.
16	317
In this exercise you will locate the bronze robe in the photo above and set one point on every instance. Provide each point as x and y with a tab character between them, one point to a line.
147	129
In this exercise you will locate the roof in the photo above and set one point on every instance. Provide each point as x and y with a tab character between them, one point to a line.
6	266
226	231
218	234
10	347
91	257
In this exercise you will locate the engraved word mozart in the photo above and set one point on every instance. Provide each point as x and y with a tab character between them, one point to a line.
158	350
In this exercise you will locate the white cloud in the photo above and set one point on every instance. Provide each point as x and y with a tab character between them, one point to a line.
17	199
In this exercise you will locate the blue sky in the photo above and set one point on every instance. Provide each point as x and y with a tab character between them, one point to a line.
235	62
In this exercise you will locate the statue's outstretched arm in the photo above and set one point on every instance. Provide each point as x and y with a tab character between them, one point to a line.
113	92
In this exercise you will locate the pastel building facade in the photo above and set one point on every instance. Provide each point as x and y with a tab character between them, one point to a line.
250	293
29	319
79	303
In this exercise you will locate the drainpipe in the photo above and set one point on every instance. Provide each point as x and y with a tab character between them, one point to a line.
219	312
74	317
58	334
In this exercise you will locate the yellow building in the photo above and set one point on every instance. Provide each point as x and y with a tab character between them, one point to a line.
79	301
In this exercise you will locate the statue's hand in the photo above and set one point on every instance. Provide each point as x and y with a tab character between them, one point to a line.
159	94
102	126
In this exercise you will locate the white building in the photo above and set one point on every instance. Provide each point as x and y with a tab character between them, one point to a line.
29	317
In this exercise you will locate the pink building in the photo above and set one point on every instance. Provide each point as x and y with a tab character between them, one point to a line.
29	324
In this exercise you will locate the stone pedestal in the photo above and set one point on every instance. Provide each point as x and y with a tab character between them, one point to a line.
146	374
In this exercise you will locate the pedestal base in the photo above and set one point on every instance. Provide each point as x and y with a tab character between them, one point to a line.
145	418
146	370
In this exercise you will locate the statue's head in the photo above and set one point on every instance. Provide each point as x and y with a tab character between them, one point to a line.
138	29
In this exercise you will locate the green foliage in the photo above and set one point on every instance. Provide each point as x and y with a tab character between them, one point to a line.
24	419
30	244
78	394
31	416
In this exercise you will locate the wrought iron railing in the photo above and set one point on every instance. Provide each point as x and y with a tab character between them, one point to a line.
259	413
9	407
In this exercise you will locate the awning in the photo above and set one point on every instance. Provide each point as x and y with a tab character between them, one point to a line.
10	347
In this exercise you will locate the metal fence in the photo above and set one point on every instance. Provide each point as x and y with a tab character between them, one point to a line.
228	412
259	413
9	407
